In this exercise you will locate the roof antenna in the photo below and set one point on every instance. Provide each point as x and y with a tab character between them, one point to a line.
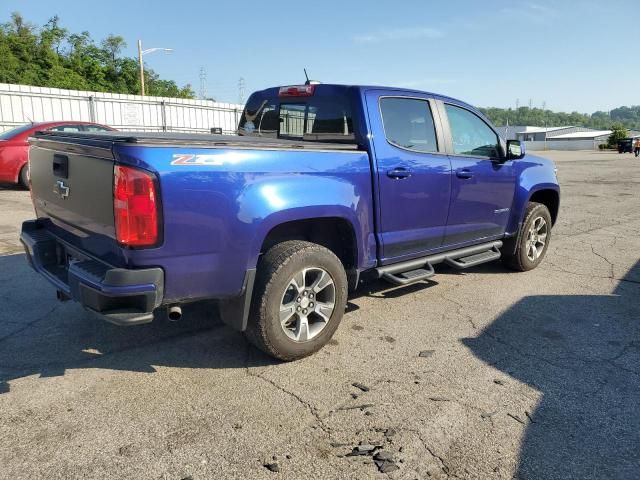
309	82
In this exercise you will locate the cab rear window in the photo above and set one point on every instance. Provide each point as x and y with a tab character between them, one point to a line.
312	119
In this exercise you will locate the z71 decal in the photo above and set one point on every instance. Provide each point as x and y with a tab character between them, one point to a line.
216	160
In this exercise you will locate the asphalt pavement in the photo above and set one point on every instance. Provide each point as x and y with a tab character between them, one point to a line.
479	374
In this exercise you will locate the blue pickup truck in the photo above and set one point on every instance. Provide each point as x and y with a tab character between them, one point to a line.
323	187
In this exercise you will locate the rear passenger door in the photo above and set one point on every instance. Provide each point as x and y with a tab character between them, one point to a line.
482	181
413	174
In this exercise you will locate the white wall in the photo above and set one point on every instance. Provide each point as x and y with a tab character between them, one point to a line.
564	145
20	104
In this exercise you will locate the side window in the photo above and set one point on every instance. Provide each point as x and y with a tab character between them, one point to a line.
67	128
408	123
470	134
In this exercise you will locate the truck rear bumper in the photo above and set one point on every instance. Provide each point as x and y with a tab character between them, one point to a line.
119	295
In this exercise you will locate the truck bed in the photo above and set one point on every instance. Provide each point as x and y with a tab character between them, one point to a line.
190	139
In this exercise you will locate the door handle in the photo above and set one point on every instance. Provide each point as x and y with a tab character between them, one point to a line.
464	173
61	166
399	173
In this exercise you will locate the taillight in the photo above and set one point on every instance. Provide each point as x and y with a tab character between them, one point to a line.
297	91
135	207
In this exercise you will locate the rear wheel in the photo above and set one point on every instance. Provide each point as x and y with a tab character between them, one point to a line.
24	176
533	239
299	300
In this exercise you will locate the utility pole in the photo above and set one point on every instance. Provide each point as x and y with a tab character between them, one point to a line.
142	53
544	119
141	67
241	91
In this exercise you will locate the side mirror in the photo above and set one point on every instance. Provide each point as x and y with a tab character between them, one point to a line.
515	150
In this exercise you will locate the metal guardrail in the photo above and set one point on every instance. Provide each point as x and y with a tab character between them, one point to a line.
20	104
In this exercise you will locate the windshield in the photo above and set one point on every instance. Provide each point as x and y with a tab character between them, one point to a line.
311	119
9	134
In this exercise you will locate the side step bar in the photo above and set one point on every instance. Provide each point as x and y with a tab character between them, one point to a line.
411	271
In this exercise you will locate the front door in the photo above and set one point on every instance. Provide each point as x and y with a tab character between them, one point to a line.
413	174
482	183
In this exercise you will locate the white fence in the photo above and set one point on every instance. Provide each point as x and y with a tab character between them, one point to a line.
20	104
564	145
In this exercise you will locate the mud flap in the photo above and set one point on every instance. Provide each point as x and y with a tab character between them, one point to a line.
235	311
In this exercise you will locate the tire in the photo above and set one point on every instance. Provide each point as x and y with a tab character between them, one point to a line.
23	178
284	268
537	219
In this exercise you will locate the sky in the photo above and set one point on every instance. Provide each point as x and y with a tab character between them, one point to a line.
565	54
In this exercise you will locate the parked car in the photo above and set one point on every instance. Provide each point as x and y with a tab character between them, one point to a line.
625	145
328	186
14	148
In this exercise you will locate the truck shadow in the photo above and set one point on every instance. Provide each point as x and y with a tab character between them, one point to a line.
12	186
40	336
582	353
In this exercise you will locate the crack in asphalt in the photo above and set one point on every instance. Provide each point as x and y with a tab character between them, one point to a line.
312	410
82	362
610	361
557	268
592	229
29	324
531	355
611	265
444	466
459	310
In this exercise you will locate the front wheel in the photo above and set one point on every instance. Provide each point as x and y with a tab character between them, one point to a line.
533	239
299	300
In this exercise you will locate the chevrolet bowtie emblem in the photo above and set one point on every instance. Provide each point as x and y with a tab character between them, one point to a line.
61	189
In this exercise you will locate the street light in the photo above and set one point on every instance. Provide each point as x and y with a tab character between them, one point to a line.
142	52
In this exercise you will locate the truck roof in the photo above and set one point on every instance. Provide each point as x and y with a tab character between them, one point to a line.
331	88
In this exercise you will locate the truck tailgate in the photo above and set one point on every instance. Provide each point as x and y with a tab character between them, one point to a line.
73	187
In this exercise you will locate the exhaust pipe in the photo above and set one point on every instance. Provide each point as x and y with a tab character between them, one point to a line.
174	313
61	296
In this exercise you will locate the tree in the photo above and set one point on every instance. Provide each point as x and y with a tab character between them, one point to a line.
629	117
53	35
113	44
51	56
619	133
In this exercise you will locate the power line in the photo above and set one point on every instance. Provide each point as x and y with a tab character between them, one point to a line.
241	90
203	83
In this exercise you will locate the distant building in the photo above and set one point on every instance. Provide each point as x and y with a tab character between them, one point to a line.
593	135
511	132
558	138
537	134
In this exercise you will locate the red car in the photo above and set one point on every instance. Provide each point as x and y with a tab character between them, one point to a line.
14	148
